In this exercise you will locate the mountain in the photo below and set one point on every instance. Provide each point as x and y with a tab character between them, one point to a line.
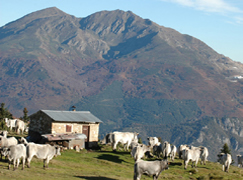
132	73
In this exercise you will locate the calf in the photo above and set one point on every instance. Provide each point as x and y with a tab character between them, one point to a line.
41	151
240	160
150	168
14	153
225	160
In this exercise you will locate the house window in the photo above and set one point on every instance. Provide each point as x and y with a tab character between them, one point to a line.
68	128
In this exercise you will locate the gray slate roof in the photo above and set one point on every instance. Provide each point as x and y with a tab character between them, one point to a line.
72	116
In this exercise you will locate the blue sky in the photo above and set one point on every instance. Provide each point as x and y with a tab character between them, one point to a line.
218	23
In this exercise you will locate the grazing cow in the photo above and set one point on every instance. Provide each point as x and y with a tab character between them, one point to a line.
153	141
150	168
10	123
41	151
157	149
166	149
107	139
124	138
191	154
15	153
173	152
240	160
204	154
19	126
139	151
225	160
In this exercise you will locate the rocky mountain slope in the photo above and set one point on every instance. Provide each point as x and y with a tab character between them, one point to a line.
130	72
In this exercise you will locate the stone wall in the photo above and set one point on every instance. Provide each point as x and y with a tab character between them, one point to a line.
40	123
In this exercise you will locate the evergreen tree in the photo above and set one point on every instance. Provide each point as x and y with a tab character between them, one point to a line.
225	149
4	113
25	117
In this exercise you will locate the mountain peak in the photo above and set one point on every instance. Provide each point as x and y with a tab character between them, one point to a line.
48	12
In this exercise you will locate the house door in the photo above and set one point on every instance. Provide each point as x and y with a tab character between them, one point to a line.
86	132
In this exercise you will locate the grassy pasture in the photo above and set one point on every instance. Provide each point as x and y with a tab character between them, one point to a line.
106	165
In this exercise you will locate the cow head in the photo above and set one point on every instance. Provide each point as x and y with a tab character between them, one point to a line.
57	151
5	151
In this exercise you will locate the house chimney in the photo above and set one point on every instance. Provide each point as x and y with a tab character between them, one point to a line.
73	108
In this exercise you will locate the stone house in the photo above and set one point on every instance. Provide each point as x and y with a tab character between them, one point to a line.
68	122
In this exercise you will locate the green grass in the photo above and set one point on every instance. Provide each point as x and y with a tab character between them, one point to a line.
106	165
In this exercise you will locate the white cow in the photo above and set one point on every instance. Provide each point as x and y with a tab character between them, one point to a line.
6	142
240	160
153	168
19	126
204	154
191	154
225	160
181	148
153	141
15	153
124	138
10	123
173	152
139	151
41	151
166	149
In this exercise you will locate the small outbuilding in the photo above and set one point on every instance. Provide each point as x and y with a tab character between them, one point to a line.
65	122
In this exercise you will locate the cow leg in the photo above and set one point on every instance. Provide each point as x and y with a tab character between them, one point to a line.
14	164
23	163
44	163
28	161
9	163
114	146
223	168
185	163
17	163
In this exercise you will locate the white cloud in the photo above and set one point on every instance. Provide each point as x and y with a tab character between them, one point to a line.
239	20
218	6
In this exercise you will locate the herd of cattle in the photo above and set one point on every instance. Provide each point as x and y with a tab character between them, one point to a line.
17	124
14	151
165	150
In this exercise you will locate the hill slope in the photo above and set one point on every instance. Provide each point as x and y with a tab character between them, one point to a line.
105	165
130	72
